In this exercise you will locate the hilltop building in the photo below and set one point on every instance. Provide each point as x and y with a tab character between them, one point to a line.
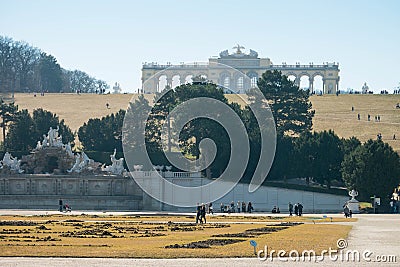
248	63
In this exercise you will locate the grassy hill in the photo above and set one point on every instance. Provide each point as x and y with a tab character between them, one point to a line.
331	112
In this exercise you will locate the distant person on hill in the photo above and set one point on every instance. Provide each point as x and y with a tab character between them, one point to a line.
352	108
394	137
369	117
358	116
107	106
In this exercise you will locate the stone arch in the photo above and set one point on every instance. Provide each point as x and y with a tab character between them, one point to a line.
162	82
318	83
253	78
291	76
175	80
225	79
304	80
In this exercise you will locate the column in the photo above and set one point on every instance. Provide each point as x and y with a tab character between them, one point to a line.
311	84
337	85
169	82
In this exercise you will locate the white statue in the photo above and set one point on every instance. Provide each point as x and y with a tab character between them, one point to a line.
45	141
12	163
58	142
76	167
353	193
38	145
51	136
82	163
117	165
68	148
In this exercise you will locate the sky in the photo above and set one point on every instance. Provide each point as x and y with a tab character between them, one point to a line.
111	39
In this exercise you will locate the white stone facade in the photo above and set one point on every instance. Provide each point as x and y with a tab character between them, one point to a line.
249	64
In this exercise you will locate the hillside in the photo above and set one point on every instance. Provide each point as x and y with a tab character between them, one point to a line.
331	112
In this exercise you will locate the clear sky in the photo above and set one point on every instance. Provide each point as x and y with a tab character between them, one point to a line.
111	39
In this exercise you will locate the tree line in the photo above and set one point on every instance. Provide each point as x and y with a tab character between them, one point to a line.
321	157
24	68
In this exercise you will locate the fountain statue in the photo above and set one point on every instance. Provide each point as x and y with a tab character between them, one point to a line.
116	167
13	164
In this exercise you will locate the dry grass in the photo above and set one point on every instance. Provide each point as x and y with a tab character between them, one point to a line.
332	112
129	239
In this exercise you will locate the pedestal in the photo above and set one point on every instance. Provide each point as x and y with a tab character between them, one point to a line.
353	205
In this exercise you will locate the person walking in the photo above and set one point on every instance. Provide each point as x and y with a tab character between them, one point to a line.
60	204
238	206
210	208
249	207
300	209
243	206
198	211
290	209
203	214
296	209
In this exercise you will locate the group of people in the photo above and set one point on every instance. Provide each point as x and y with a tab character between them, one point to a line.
347	212
297	208
240	207
201	213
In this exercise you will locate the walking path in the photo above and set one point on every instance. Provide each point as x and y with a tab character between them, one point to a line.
374	236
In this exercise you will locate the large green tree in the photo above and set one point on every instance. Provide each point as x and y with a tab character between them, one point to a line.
198	129
289	104
19	136
103	134
372	169
50	73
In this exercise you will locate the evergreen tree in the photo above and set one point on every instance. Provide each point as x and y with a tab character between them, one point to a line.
289	104
372	169
44	119
103	134
19	136
7	115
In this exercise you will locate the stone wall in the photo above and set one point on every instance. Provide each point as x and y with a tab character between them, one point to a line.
99	192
